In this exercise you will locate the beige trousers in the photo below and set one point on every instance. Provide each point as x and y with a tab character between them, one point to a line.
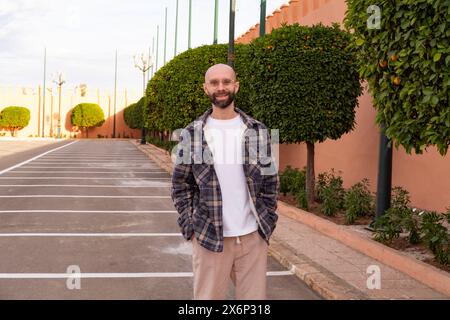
243	260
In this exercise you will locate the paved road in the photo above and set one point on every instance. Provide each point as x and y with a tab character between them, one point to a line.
101	208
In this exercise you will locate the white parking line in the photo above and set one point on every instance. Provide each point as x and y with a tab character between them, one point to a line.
86	162
87	211
127	172
161	185
84	196
90	235
78	178
116	275
83	167
34	158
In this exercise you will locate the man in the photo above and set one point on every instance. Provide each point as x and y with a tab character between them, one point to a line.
226	200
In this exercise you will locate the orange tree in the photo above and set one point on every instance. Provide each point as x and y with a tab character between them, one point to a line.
305	83
406	61
14	118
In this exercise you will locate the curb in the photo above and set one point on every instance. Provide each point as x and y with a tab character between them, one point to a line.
318	278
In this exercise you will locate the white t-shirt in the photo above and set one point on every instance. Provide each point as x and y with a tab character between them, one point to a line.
224	139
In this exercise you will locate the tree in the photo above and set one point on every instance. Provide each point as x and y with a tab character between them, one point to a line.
87	115
404	54
175	92
14	118
305	83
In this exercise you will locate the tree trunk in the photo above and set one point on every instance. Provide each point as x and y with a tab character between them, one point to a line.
310	174
87	132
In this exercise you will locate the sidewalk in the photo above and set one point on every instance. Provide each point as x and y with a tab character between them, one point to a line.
329	258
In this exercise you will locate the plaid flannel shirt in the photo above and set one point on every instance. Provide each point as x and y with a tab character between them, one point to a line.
196	191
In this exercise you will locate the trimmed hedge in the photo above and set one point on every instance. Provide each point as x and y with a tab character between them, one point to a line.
407	65
87	115
175	92
14	118
134	114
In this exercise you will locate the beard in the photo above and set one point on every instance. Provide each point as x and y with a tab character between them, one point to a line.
222	103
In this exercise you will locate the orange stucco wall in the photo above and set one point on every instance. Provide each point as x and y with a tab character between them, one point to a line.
32	98
426	177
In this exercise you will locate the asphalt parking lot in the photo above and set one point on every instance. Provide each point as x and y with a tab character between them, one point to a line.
94	220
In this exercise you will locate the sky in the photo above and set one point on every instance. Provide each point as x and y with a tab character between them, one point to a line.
82	36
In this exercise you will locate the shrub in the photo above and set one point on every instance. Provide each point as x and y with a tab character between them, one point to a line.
166	145
436	236
397	219
87	115
14	118
134	114
358	201
292	181
330	192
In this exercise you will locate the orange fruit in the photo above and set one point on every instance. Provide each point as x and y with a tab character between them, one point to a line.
394	58
383	64
396	81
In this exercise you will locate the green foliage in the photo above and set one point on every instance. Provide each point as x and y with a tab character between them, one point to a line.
134	114
14	118
407	65
166	145
330	192
304	82
293	181
176	91
358	201
397	219
436	236
87	115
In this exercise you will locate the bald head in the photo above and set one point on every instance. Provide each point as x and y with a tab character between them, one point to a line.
220	70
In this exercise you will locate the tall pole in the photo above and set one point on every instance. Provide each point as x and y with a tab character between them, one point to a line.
384	183
153	55
190	24
157	47
43	95
150	71
59	113
115	98
231	37
165	37
176	30
262	19
39	111
51	112
216	16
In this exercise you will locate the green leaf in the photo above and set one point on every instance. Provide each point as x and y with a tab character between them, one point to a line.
437	57
359	42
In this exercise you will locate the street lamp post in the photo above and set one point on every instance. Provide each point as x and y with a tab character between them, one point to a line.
143	63
59	80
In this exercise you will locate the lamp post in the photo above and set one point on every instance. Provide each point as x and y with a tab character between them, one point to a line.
143	63
58	78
